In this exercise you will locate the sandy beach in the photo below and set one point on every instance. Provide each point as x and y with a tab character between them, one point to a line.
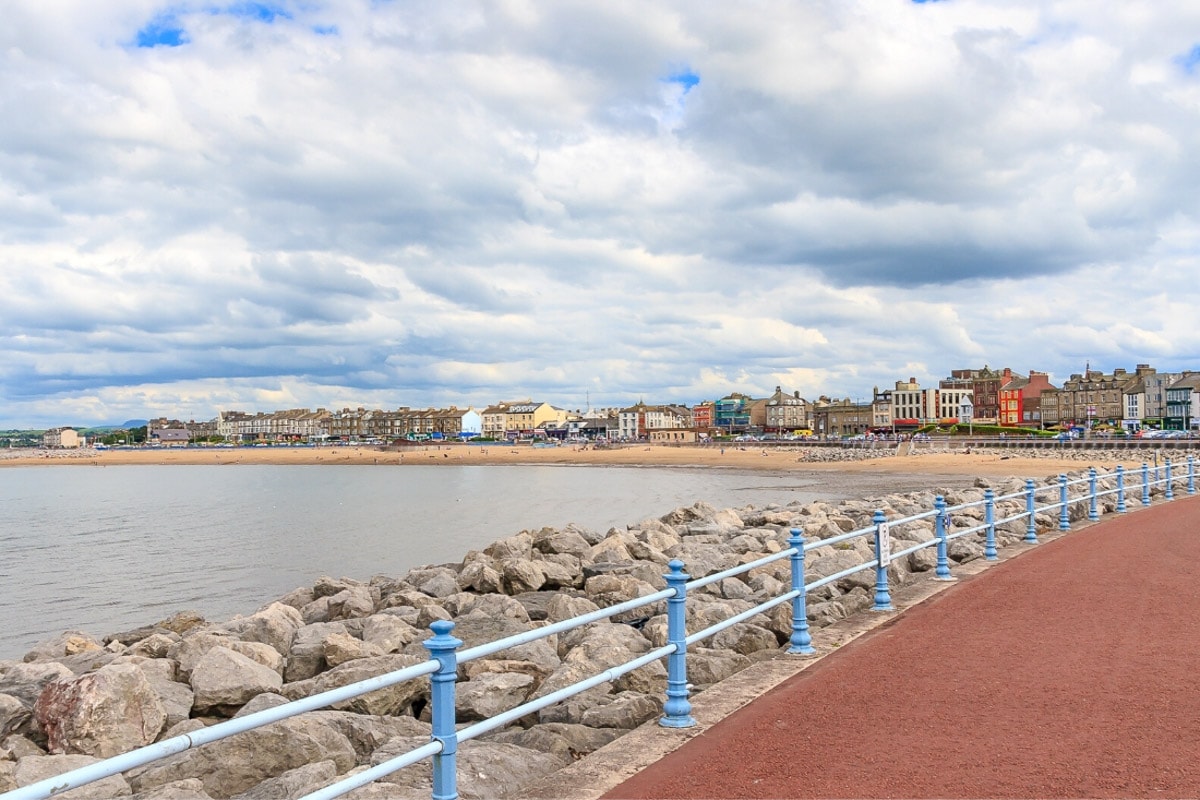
985	464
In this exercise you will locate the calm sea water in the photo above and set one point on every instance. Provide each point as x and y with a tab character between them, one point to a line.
107	549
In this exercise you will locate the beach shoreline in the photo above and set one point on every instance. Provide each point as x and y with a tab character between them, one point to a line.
981	463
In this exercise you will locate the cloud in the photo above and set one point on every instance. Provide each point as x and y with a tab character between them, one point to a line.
218	205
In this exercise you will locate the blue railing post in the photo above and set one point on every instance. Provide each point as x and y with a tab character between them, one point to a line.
677	710
883	554
1169	493
989	519
442	647
1031	531
801	640
1093	507
1064	517
1121	507
1191	475
942	573
1145	484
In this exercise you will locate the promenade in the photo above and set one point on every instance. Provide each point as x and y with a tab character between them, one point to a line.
1066	670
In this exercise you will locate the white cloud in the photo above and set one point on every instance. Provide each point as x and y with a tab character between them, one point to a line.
391	204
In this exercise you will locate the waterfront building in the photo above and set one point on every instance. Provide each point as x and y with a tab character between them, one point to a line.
785	413
1183	403
637	421
1020	400
731	414
61	438
1087	399
841	418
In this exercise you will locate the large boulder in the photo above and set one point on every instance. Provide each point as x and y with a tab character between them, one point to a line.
486	770
274	625
195	646
103	713
396	699
68	643
32	769
225	678
13	714
230	766
26	681
306	656
491	693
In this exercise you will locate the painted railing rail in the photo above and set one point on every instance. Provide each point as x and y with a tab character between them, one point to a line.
445	655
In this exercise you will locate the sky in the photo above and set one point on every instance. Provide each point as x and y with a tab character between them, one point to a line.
256	206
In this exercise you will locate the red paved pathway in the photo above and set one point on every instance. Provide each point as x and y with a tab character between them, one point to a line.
1072	671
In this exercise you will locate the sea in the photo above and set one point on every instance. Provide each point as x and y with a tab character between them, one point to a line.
108	549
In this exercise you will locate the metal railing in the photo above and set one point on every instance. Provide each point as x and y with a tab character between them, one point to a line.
1053	499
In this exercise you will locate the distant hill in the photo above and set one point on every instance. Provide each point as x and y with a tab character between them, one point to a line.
133	423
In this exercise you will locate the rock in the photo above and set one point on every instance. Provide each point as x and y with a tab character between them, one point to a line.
186	789
101	714
522	576
479	627
564	607
514	547
389	633
26	681
298	782
68	643
567	542
561	575
156	645
565	741
32	769
306	655
227	678
707	666
274	625
367	733
261	702
746	638
230	766
342	647
326	586
481	577
192	649
625	711
489	694
395	699
355	601
487	770
176	698
464	603
13	714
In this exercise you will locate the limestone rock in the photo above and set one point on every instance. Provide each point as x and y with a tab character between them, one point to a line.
230	766
298	782
395	699
101	714
32	769
227	678
274	625
489	694
68	643
26	681
306	656
13	714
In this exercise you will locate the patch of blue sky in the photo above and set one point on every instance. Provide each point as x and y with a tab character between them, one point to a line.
257	11
1190	61
325	30
923	2
685	78
162	31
